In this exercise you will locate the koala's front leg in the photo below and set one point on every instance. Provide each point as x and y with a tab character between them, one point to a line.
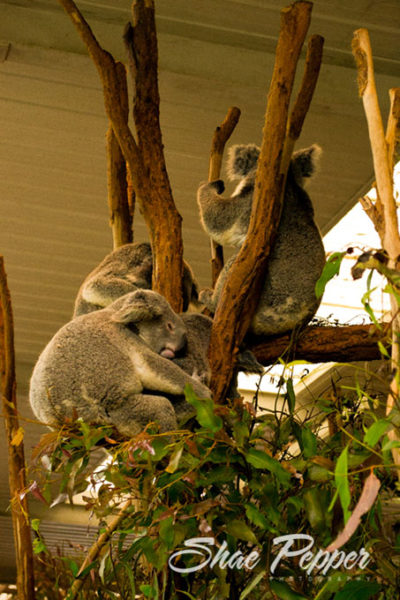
161	374
138	410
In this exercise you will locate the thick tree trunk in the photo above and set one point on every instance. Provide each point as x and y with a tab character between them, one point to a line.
243	286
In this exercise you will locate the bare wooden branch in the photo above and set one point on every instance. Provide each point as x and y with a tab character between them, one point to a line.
97	547
221	135
118	194
317	344
151	190
393	128
384	179
307	88
141	42
385	205
241	292
16	459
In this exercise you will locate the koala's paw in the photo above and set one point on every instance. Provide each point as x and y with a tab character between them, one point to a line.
206	298
218	185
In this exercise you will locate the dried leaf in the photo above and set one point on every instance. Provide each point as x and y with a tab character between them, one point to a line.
18	437
367	498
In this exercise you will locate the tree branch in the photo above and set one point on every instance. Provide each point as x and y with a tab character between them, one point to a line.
242	289
162	219
16	459
141	42
119	203
97	547
317	344
385	205
393	128
221	135
384	179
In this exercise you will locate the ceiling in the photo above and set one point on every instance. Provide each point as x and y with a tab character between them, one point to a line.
213	54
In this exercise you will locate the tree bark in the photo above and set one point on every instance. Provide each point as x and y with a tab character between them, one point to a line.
151	186
221	135
166	234
318	344
119	201
241	292
16	458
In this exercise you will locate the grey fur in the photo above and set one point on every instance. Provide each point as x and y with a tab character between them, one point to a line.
297	258
125	270
113	366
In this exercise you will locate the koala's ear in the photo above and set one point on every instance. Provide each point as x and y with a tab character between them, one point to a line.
135	309
305	162
241	160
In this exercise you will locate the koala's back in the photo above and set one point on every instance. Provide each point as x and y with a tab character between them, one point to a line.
294	266
124	270
82	370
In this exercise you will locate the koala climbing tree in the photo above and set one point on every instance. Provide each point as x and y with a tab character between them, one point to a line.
287	300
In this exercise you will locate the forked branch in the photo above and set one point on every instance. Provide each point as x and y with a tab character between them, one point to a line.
221	135
151	186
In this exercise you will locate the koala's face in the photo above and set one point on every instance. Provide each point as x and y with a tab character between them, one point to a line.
148	315
165	334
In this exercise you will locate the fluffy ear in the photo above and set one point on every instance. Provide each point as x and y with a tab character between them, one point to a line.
241	160
137	306
305	162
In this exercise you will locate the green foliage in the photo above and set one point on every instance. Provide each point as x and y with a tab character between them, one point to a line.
239	479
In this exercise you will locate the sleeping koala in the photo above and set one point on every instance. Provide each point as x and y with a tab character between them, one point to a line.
114	366
126	269
297	257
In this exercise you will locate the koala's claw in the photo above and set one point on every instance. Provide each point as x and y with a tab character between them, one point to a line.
219	185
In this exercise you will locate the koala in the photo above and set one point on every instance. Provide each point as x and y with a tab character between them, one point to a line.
126	269
297	258
115	366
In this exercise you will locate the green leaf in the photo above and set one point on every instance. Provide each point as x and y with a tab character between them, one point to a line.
290	395
174	460
39	546
284	591
390	444
167	532
255	581
35	524
239	530
147	590
261	460
331	268
309	442
358	590
375	432
205	410
342	483
314	509
256	517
